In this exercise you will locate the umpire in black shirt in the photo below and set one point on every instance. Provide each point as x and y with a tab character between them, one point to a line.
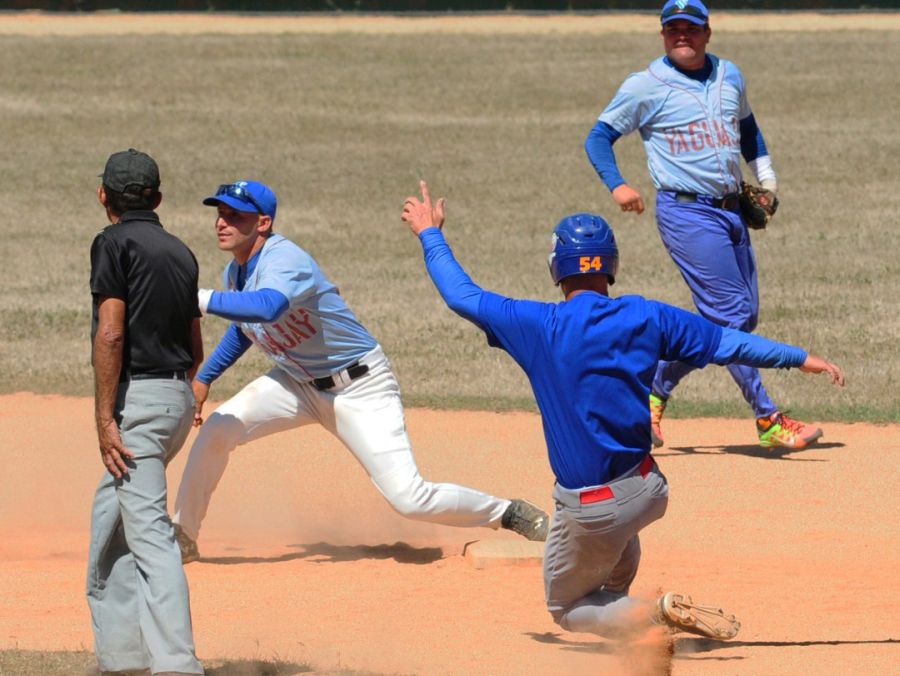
146	348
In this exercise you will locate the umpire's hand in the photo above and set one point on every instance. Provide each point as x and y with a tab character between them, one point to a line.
112	452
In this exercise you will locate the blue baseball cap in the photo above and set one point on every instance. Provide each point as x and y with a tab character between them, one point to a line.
688	10
249	196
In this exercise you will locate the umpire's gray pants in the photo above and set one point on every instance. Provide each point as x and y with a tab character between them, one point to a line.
136	586
593	551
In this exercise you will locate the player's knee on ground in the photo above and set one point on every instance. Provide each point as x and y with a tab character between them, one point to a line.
559	617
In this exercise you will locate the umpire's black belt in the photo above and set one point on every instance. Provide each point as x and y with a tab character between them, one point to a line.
354	371
727	202
155	375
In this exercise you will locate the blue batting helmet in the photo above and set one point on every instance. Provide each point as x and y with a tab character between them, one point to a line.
583	244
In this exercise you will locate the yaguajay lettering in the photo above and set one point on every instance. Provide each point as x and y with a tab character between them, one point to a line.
288	332
698	135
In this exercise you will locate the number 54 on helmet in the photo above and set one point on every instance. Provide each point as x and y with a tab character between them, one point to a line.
583	244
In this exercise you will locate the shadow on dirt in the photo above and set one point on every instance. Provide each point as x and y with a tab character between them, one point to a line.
686	648
256	668
599	646
750	450
401	552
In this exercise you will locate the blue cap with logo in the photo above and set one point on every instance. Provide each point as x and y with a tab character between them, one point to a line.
686	10
249	196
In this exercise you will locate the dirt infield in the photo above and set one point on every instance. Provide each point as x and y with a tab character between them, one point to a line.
304	561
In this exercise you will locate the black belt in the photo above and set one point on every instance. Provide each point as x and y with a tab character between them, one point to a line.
354	371
728	202
158	375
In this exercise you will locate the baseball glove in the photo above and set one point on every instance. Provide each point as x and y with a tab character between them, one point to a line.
758	205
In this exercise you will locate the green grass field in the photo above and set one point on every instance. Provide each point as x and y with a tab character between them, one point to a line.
343	126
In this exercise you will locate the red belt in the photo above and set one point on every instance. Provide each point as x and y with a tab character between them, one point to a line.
605	492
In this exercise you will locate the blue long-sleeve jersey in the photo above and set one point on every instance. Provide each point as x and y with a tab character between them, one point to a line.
591	360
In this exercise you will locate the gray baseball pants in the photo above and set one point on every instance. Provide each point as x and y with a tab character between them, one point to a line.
593	551
136	587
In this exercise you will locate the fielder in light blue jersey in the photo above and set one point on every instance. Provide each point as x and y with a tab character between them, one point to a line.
316	333
328	370
696	124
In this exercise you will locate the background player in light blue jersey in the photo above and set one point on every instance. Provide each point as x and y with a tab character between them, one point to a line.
590	361
328	369
692	112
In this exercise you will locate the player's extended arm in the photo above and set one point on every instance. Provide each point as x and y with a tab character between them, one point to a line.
461	294
425	220
263	305
233	344
817	364
737	347
598	147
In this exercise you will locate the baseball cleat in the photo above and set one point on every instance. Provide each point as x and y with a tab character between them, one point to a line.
188	547
526	519
680	614
780	430
657	408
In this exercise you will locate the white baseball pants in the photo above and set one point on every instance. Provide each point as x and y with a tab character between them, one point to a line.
366	414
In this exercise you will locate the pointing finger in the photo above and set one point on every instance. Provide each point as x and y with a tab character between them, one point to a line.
426	195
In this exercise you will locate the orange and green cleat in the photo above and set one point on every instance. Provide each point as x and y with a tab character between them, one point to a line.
779	430
657	408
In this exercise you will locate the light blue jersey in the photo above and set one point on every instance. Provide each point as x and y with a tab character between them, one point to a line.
690	129
318	334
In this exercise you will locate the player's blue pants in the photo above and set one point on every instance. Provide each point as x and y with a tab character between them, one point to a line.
712	250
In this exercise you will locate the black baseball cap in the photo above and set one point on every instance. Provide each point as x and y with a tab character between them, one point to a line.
131	171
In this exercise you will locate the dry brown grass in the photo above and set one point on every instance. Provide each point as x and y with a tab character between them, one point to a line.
69	663
343	125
